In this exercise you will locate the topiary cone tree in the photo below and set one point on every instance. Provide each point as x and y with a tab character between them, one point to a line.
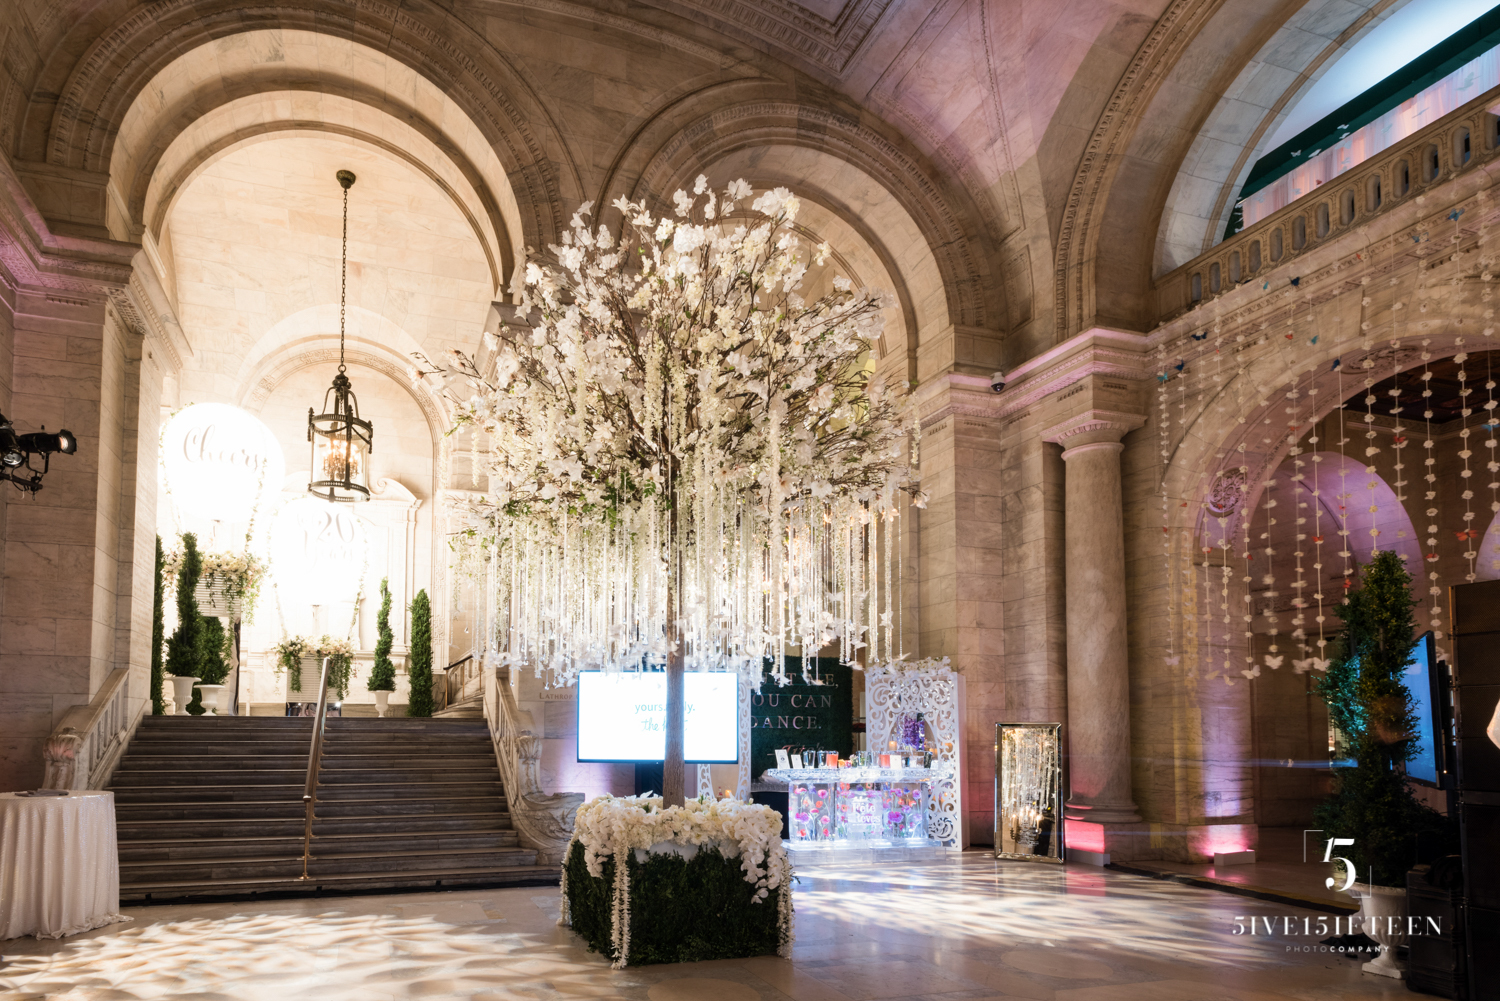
158	634
420	702
213	660
383	674
185	648
1368	701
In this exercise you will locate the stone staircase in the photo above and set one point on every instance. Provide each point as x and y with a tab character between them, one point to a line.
469	708
212	807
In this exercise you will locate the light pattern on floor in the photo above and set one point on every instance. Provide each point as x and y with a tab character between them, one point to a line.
967	928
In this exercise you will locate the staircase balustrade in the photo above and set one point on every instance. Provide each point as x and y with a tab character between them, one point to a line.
1463	141
84	749
543	820
456	678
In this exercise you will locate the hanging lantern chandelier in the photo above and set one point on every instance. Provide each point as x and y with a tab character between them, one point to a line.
341	441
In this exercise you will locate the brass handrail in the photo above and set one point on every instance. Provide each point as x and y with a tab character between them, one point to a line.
314	760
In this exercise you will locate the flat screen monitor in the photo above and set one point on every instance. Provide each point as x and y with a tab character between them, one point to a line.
622	716
1419	679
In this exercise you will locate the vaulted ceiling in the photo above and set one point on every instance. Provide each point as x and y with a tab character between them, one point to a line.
1052	154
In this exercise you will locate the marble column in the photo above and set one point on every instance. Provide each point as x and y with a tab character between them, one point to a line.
1098	654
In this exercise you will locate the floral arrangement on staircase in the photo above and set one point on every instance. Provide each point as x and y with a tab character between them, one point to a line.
232	579
340	654
716	874
290	653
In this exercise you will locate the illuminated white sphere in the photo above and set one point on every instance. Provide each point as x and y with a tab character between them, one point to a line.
220	461
318	552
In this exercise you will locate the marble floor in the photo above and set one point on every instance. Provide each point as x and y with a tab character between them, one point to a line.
965	928
1287	861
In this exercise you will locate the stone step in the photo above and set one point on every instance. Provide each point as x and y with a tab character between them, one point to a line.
435	878
289	864
292	791
291	808
249	846
247	776
212	807
391	759
291	825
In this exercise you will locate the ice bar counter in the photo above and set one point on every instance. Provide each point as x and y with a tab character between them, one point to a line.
866	806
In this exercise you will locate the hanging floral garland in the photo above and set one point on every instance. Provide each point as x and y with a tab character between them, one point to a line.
236	576
684	453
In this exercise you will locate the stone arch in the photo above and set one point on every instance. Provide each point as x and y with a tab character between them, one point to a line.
191	154
1248	113
97	76
1197	53
310	337
758	119
1207	452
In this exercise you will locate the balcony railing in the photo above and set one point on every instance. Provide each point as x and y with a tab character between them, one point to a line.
1455	144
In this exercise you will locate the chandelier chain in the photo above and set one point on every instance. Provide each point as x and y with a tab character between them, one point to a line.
343	278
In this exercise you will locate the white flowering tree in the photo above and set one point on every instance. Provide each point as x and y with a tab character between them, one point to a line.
688	464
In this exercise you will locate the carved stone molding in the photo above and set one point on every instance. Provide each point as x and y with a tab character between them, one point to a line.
261	388
791	29
1078	234
1092	427
122	60
1116	359
31	256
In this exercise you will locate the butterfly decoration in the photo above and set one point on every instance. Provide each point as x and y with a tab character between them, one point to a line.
1337	362
1162	376
1274	661
1320	663
1467	533
1180	363
1296	281
1315	338
1253	673
1302	666
1455	214
1199	337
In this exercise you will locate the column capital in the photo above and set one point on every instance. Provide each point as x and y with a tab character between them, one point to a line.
1092	427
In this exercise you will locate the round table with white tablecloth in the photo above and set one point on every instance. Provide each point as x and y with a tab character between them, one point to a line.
59	864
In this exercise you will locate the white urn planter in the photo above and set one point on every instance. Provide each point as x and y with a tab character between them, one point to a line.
210	698
182	693
382	703
1382	912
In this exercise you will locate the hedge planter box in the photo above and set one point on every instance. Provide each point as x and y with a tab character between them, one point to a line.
719	889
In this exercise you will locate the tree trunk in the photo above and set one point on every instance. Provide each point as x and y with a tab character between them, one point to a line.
674	772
